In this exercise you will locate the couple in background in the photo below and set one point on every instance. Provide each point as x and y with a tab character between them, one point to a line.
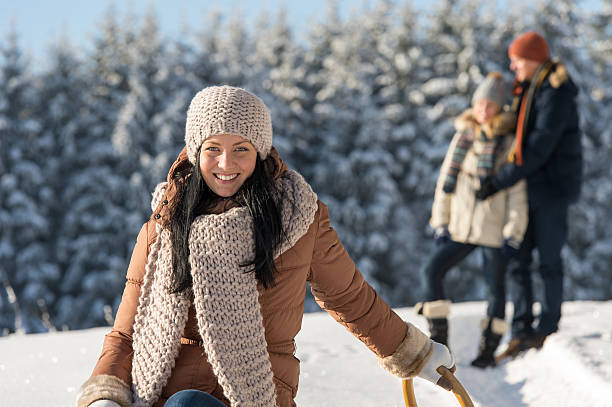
505	187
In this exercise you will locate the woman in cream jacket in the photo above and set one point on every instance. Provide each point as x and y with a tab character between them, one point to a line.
462	223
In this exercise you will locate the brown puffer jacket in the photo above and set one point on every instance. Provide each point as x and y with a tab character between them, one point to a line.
317	258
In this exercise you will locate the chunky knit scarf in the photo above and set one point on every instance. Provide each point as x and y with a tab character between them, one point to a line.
226	302
486	158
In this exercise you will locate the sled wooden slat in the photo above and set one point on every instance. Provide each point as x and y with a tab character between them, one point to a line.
458	390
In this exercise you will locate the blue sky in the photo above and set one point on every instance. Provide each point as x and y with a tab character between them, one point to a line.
41	22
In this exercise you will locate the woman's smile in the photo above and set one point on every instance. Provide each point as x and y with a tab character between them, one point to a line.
226	178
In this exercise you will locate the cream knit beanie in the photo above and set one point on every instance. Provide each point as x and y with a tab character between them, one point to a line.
492	88
227	110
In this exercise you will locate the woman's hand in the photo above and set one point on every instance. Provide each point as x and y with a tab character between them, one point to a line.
440	356
511	247
441	235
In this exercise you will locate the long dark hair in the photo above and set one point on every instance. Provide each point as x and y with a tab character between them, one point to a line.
258	194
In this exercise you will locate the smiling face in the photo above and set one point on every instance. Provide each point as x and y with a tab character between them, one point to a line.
524	69
485	109
226	161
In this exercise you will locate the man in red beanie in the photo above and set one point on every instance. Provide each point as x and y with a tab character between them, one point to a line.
548	154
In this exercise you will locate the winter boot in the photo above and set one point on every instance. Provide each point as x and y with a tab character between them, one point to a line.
493	330
436	313
522	342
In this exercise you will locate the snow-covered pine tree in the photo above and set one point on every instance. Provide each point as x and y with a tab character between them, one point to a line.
208	51
583	40
354	172
24	236
400	48
599	31
95	239
182	83
135	136
560	22
233	45
308	131
12	84
61	113
108	66
85	211
278	76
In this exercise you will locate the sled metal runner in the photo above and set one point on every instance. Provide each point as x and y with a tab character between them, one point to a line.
458	390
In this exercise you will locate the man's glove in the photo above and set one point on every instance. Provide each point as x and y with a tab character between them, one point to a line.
511	247
441	235
487	188
440	356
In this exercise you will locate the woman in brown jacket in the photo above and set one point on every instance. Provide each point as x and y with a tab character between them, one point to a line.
215	288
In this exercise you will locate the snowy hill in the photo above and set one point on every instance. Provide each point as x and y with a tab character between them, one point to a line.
573	368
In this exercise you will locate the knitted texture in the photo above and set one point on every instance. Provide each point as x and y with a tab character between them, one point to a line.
411	355
227	110
226	302
492	88
227	308
158	194
104	387
486	158
530	45
158	326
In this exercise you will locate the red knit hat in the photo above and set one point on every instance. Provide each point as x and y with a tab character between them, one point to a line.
530	45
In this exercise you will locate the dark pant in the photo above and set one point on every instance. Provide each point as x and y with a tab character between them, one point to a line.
450	253
546	232
193	398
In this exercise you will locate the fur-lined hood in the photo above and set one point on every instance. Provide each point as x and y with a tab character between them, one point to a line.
558	74
500	124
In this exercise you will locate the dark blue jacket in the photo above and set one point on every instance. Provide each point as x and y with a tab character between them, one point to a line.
552	149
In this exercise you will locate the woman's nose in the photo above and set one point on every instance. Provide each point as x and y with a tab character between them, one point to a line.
225	160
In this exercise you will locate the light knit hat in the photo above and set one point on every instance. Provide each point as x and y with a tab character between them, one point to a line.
227	110
492	88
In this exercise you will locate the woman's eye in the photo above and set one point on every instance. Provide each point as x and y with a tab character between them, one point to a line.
241	149
212	148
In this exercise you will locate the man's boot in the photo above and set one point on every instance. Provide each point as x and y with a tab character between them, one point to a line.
436	313
520	343
493	330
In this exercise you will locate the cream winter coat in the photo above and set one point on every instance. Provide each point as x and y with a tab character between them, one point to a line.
485	223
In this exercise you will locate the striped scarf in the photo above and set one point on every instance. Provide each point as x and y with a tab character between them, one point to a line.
486	159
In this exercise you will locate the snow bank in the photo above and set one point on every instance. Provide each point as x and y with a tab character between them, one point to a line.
573	368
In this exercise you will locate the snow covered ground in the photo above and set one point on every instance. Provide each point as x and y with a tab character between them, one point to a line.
573	368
